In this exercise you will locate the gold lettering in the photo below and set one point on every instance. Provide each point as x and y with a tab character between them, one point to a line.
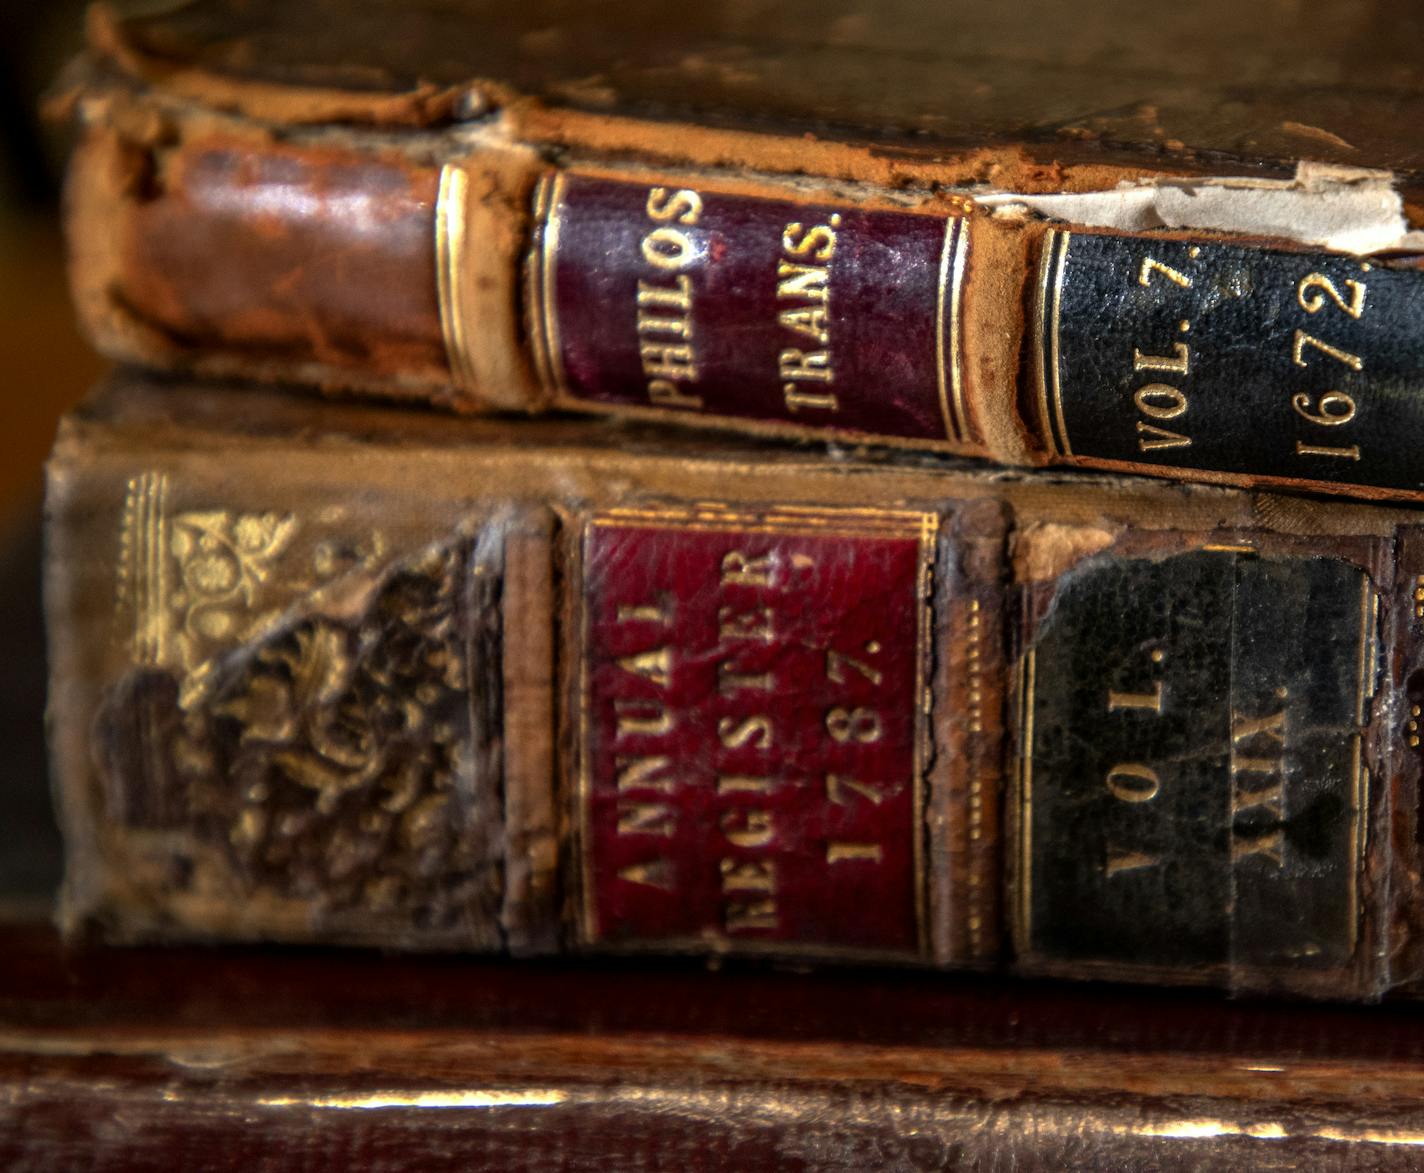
639	774
752	828
1136	700
748	875
1314	303
819	244
838	662
657	873
658	612
669	360
742	784
1150	266
1302	340
795	399
683	205
1348	452
739	569
1128	861
848	852
734	733
838	784
668	249
1133	782
730	682
666	393
1335	408
1150	438
745	915
642	717
1245	728
654	665
807	282
809	320
860	724
806	366
657	297
1272	798
646	818
1270	844
1160	401
756	624
1177	365
678	327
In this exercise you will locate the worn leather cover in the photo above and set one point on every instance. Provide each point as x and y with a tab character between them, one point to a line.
1217	77
609	689
774	221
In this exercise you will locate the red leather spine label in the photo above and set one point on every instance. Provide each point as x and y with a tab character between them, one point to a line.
751	730
735	306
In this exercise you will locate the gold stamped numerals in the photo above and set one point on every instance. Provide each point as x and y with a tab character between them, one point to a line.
1151	266
1159	402
1314	293
1316	287
852	726
1134	783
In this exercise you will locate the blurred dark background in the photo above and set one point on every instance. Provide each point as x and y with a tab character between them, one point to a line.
44	368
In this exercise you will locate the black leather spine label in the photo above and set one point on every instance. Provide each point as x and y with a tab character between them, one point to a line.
1192	792
1157	354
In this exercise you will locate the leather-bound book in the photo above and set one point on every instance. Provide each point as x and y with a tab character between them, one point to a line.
338	673
1133	236
215	1059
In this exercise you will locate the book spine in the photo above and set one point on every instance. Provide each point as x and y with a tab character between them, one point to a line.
771	311
948	732
763	304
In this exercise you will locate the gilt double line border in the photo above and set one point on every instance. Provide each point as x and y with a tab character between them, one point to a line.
847	524
451	211
540	282
1048	309
452	241
143	580
948	296
1023	805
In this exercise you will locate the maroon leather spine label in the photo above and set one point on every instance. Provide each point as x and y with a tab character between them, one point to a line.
749	308
752	730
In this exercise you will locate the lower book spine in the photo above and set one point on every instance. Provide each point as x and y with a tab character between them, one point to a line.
982	724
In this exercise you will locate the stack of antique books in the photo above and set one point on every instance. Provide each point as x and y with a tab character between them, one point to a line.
934	547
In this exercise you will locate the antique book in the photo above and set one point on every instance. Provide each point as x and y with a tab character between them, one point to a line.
1031	233
214	1059
336	673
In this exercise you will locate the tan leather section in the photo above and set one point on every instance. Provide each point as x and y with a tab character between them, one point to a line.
991	338
97	225
310	257
487	214
529	916
1168	83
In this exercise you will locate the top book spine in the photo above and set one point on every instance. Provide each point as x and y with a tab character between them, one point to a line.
481	268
